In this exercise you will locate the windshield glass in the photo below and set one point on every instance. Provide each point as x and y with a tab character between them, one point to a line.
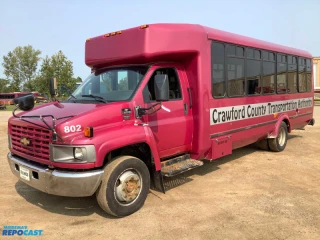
111	85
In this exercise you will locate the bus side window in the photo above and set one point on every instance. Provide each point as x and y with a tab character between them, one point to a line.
253	71
235	71
309	80
218	84
269	71
292	75
281	73
302	75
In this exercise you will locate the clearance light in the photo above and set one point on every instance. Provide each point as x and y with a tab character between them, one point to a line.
114	33
143	26
88	132
106	35
88	39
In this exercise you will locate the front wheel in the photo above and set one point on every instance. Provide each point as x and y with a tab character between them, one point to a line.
279	143
124	187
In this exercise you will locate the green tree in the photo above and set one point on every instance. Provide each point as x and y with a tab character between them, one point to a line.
61	68
20	66
4	85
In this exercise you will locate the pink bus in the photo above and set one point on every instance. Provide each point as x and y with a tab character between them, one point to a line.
160	100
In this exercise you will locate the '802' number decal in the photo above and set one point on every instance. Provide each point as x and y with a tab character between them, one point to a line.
72	128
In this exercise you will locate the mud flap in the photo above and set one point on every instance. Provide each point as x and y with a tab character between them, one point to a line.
157	181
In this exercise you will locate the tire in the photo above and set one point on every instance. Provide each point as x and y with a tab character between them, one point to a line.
263	144
114	195
279	143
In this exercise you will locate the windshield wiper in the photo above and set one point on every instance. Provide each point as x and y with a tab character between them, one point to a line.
71	95
97	98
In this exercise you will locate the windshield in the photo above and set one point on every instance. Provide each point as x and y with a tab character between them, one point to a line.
110	86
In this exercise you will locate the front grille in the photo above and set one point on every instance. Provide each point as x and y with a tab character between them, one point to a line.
39	141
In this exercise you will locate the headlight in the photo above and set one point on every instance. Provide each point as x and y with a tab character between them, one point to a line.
79	153
72	154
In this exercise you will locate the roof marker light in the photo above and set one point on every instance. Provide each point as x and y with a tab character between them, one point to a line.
119	32
88	39
113	33
106	35
144	26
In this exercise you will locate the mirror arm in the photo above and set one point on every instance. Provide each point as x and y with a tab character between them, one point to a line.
144	111
14	110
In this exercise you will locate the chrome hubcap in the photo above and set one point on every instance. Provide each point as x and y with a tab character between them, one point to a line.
281	136
128	187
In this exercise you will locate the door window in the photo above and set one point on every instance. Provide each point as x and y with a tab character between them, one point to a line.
174	85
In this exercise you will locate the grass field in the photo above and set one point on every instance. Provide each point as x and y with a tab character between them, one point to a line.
9	108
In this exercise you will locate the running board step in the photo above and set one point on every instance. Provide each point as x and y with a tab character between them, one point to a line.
179	165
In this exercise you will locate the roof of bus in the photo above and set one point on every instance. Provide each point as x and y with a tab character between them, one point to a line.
220	35
155	42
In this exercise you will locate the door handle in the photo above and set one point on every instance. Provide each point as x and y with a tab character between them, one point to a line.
185	109
190	97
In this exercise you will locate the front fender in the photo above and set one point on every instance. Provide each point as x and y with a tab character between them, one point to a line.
283	117
126	136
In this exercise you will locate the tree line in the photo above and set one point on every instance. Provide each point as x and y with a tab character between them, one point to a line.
21	68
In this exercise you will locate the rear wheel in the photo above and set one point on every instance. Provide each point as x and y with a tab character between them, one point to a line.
124	187
279	143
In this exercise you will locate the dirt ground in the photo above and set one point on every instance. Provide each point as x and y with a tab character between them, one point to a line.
251	194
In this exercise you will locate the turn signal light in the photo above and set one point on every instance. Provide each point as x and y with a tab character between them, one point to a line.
88	132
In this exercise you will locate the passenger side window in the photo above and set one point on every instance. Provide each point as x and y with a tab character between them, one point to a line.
292	74
309	80
235	67
281	73
269	70
253	72
302	75
174	85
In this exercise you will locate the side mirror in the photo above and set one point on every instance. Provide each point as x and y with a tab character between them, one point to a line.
25	103
161	87
53	86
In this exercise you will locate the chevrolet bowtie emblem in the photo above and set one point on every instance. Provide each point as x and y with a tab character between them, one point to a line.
25	141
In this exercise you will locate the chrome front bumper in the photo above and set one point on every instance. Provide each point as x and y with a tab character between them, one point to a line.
57	182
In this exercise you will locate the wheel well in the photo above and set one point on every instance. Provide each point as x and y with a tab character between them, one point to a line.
286	121
138	150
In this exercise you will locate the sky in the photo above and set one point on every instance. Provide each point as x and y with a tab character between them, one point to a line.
64	25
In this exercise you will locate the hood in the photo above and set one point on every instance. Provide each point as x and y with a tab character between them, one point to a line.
78	115
59	110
